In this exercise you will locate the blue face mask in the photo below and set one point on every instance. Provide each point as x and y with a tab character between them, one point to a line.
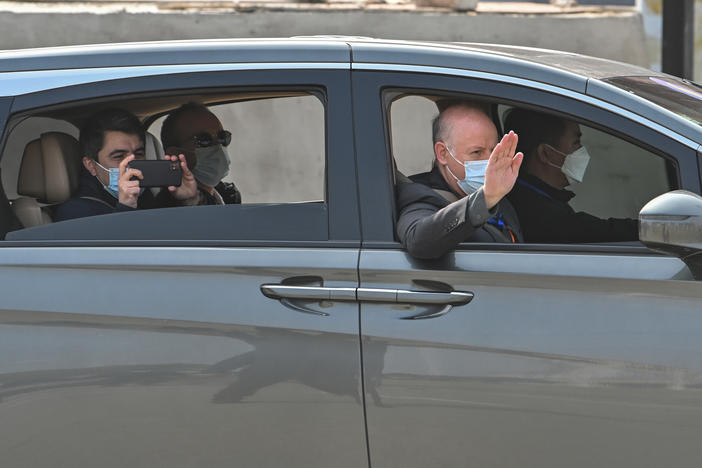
475	174
113	188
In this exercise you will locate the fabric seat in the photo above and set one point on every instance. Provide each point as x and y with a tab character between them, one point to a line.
48	176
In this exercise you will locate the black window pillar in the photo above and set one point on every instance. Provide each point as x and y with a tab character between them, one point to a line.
678	37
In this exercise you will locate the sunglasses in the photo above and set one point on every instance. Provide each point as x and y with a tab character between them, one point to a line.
204	139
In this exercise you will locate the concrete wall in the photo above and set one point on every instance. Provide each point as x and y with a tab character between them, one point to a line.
610	34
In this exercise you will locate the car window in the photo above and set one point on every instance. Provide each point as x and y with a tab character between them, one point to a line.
277	163
277	148
620	179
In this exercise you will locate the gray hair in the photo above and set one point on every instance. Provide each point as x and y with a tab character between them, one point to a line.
440	126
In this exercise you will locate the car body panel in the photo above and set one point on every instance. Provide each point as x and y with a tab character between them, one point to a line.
173	356
559	360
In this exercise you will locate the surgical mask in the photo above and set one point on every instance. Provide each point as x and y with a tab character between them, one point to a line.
475	174
113	187
574	165
212	165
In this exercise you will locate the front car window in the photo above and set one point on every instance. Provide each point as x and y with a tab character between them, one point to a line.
682	97
620	178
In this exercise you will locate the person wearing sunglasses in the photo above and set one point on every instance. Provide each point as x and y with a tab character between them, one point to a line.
193	130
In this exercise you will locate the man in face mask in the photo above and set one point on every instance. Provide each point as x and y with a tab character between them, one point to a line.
461	198
555	158
196	132
109	140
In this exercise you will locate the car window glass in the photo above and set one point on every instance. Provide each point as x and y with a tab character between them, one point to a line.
619	180
277	148
277	162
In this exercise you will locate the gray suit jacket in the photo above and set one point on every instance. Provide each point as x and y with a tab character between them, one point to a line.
429	225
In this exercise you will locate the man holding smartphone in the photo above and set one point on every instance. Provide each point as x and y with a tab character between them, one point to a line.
192	129
109	141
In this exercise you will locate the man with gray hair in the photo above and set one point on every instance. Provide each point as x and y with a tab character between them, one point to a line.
461	198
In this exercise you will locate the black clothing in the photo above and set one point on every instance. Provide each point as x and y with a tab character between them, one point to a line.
92	199
546	216
229	193
430	225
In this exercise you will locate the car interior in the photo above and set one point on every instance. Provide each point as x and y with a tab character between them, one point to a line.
41	159
621	177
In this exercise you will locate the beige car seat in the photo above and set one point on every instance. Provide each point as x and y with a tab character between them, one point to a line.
48	176
153	147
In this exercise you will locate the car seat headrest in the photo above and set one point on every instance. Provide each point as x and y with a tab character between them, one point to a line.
50	168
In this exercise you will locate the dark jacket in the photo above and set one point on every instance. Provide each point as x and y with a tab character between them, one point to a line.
429	225
92	199
546	216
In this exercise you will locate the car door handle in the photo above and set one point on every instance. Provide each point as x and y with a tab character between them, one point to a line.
402	296
317	293
288	294
405	296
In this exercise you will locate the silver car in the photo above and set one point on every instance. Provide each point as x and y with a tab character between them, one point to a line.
293	329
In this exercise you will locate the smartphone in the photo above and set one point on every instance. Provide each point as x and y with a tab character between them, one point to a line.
158	172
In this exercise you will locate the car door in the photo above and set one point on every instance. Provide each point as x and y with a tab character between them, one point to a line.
521	355
191	336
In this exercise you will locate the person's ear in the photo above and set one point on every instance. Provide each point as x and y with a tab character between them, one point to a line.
541	152
441	152
89	164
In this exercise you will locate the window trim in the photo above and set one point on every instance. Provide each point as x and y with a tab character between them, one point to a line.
369	89
340	208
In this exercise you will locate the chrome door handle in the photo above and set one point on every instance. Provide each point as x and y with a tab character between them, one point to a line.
287	294
405	296
317	293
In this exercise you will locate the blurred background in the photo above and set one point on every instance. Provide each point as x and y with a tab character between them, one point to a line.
626	30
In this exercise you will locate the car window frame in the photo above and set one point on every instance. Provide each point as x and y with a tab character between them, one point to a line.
374	149
340	206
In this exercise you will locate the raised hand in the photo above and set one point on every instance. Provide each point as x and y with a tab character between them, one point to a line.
502	169
128	189
187	192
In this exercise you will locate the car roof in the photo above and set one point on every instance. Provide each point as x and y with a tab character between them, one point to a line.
566	70
309	49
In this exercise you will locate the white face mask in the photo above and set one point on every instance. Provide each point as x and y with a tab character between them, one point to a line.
574	165
475	174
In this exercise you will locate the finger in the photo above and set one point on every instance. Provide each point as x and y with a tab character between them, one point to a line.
123	164
513	139
129	173
517	161
507	145
184	165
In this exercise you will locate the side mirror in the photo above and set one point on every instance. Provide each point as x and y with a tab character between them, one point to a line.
672	223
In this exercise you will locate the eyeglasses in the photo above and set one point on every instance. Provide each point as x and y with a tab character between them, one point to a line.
204	139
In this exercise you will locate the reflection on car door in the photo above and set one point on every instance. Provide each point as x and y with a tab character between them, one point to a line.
560	359
174	357
168	353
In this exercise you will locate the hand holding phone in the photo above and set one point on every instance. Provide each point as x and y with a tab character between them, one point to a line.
158	173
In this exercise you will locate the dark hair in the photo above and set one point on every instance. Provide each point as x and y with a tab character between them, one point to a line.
92	134
169	134
533	128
